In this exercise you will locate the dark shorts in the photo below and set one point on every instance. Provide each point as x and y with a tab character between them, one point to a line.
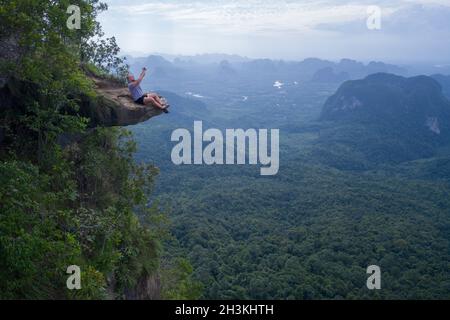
141	100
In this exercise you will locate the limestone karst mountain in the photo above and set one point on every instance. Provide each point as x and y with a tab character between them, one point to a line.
387	119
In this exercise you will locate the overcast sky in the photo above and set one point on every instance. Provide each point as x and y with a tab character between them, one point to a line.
411	30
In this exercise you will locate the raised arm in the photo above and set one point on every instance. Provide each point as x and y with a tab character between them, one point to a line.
141	77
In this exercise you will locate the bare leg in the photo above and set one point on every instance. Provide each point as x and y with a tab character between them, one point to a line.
154	96
152	101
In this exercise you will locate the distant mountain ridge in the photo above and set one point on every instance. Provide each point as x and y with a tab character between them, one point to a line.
329	75
209	77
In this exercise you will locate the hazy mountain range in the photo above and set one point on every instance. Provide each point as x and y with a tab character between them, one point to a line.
207	75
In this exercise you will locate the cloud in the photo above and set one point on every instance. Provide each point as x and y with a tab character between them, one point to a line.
408	20
287	29
251	16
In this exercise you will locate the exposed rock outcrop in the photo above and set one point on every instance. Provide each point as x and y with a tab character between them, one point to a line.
115	107
148	288
10	53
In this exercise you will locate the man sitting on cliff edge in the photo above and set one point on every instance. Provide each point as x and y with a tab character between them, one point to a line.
138	95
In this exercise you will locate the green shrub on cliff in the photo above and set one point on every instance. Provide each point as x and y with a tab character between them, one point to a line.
71	205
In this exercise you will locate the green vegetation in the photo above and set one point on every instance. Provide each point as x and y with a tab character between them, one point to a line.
339	204
71	195
79	212
351	192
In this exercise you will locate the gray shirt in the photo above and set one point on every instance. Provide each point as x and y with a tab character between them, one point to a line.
136	91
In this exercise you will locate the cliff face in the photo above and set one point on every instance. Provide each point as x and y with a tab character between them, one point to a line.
148	288
113	105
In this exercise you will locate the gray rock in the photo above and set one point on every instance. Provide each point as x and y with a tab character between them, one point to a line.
115	107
